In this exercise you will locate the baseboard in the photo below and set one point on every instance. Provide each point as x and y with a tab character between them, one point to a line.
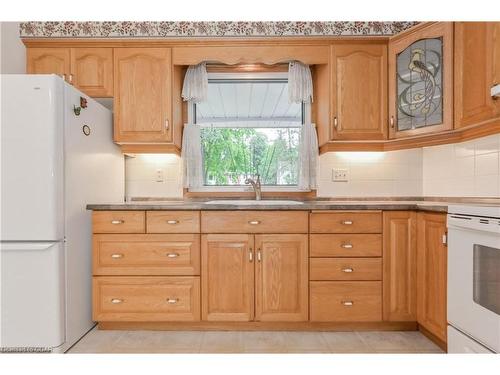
260	326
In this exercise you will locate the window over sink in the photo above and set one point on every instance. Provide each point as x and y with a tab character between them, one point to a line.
248	127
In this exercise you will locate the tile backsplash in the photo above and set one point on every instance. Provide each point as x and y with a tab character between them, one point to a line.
467	169
143	171
372	174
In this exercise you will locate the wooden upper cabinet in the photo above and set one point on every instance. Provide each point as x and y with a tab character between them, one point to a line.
49	61
142	92
227	277
477	69
92	71
282	283
88	69
359	91
431	273
421	80
400	266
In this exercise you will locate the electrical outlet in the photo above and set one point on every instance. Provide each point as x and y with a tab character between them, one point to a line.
159	175
340	174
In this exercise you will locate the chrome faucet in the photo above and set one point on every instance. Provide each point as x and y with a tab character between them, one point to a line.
256	186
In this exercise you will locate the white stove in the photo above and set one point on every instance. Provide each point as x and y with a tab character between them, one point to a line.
474	279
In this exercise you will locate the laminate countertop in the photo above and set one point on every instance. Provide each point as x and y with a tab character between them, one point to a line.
304	205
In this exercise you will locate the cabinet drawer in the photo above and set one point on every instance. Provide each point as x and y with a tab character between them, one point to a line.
346	222
153	298
254	221
146	254
354	301
118	221
345	269
173	221
346	245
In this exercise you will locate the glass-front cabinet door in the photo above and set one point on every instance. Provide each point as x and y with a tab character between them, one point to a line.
420	80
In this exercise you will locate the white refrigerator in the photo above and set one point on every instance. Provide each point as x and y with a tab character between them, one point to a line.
53	162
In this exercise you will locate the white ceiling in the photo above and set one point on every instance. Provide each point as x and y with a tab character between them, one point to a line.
250	101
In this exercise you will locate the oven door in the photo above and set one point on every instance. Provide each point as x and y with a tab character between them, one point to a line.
474	278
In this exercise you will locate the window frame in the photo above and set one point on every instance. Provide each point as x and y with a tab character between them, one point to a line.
191	114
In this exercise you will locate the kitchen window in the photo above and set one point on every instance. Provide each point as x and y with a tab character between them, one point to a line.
248	127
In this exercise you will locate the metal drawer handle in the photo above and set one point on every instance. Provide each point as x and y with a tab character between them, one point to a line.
172	222
116	256
116	300
346	222
254	222
346	246
259	255
172	255
172	301
250	255
348	270
347	303
116	222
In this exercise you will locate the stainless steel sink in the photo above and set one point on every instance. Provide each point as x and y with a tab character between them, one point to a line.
253	202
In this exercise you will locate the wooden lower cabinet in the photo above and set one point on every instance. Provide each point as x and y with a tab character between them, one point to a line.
281	277
400	266
373	267
146	254
279	291
154	298
345	269
227	277
341	301
431	273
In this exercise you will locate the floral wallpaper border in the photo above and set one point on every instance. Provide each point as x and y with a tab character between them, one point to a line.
162	29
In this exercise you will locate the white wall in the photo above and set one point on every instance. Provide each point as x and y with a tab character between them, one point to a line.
372	174
12	51
395	173
141	173
467	169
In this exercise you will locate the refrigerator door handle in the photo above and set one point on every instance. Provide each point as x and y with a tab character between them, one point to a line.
26	246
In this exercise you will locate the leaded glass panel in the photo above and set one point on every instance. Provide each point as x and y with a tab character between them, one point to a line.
420	84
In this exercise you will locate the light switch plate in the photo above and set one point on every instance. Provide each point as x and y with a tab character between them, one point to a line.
340	174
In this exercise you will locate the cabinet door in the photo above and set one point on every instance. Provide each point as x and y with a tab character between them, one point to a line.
421	80
400	266
48	61
281	285
477	69
227	277
431	273
92	71
359	91
142	92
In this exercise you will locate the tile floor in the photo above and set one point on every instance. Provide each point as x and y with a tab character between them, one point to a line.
97	341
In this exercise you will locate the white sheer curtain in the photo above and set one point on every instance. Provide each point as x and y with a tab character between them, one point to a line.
300	90
194	90
300	87
191	156
195	87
